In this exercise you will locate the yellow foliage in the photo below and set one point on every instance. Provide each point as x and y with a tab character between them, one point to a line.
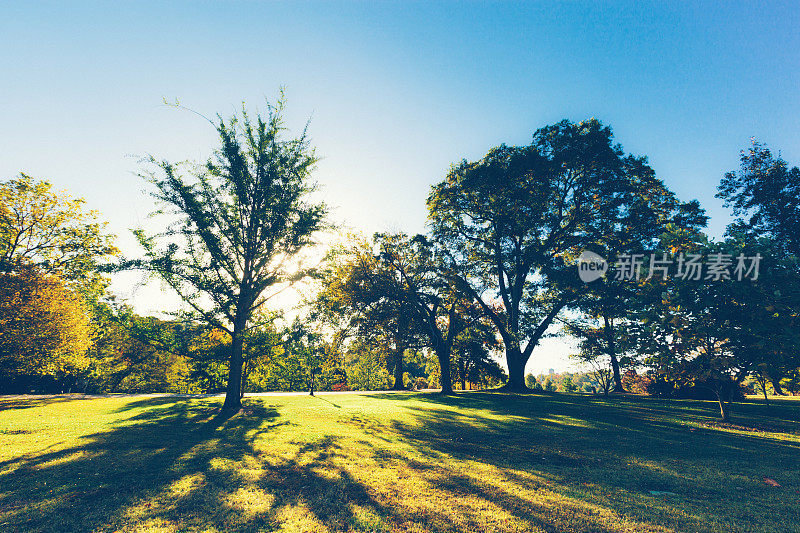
44	327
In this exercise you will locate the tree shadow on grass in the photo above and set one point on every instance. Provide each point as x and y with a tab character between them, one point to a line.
179	466
27	402
611	458
549	463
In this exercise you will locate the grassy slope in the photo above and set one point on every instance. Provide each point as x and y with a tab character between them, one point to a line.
476	462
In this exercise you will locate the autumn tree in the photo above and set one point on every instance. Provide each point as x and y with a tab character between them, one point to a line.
50	251
238	222
51	231
44	329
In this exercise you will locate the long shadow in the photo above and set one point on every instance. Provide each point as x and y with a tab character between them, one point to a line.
622	452
27	402
179	464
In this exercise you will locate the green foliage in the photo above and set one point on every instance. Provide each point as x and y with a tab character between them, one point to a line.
472	361
365	371
765	196
513	223
398	299
567	385
235	223
361	299
132	353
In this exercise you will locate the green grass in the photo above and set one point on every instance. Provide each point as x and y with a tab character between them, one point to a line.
474	462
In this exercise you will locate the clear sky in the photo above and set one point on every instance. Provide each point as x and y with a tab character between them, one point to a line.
396	91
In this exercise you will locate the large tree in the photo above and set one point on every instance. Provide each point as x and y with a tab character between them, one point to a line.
237	223
358	298
392	290
514	222
50	251
764	196
436	305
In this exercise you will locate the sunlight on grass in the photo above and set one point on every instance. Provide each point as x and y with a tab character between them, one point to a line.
474	462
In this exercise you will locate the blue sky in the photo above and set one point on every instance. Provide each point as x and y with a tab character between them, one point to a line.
396	91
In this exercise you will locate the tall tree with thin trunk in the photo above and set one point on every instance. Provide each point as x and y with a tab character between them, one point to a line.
237	222
651	211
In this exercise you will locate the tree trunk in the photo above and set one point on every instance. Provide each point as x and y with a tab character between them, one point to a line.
244	380
617	377
724	408
398	370
776	387
612	352
233	400
516	371
443	354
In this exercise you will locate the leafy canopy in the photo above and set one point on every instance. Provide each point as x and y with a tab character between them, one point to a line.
51	231
238	220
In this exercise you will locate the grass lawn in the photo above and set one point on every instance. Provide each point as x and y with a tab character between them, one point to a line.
397	462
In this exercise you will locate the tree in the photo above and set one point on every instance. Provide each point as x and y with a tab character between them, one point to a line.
765	197
769	326
514	222
50	251
600	364
124	354
606	306
262	346
472	359
568	385
52	232
309	350
707	334
237	223
44	331
399	293
360	298
437	306
364	368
